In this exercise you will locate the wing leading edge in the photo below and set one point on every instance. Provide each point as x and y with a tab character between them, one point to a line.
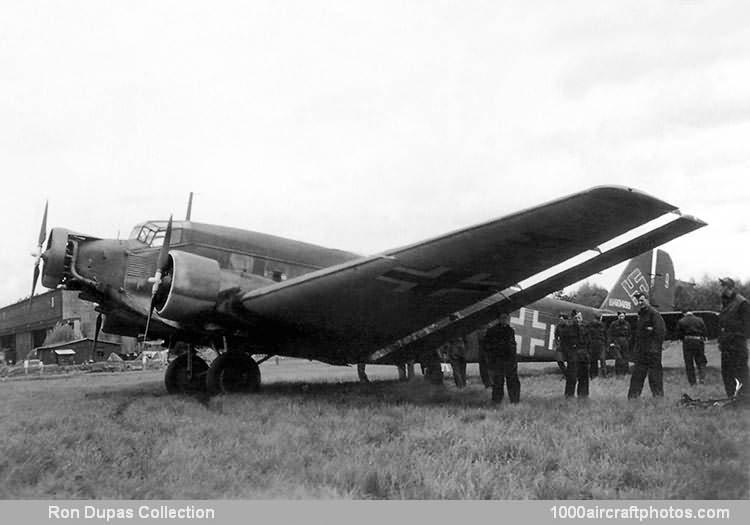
356	308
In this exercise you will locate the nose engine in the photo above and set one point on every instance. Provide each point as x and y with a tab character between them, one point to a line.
77	261
56	258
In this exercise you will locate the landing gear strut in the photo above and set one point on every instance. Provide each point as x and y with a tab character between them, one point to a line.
233	372
186	374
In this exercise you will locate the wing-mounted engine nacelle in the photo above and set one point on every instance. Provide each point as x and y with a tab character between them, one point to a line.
193	290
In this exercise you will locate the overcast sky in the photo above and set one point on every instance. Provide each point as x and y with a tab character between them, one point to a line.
370	125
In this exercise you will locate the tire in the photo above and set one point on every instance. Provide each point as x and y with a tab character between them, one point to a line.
233	373
176	380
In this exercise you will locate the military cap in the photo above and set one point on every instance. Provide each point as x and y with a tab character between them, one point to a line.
727	281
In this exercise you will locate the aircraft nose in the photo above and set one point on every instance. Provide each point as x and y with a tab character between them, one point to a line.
54	258
99	263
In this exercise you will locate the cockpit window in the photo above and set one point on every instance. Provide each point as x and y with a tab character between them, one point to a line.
157	238
152	233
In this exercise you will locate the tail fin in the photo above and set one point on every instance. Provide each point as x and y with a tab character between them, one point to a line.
654	278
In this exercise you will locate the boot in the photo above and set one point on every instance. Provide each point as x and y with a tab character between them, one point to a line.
701	374
361	373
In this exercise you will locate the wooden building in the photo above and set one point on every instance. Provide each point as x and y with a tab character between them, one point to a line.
76	352
25	326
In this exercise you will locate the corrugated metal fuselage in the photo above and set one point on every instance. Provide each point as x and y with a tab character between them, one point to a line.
115	273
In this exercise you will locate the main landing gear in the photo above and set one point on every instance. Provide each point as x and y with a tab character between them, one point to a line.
186	374
231	372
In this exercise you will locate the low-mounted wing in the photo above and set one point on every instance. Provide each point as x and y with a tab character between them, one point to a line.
358	307
487	310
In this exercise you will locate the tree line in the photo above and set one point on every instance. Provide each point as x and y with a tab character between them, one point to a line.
703	295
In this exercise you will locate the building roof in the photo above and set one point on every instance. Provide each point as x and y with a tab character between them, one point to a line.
25	301
55	346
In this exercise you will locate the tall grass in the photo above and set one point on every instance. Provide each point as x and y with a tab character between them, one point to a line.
314	432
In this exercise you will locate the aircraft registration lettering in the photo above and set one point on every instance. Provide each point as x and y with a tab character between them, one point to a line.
533	332
620	303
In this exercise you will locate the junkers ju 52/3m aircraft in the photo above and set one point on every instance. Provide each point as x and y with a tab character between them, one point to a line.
247	293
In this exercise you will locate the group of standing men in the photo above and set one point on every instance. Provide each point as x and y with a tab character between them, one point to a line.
734	331
583	350
584	347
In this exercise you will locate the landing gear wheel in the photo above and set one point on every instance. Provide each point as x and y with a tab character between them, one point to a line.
176	377
233	372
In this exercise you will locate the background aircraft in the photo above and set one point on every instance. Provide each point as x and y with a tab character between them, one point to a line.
651	272
246	293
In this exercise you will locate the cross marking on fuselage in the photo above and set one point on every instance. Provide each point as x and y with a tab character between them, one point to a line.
438	281
532	332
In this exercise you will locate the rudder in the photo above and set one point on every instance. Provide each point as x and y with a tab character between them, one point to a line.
663	282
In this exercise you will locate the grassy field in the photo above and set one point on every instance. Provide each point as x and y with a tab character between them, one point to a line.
314	432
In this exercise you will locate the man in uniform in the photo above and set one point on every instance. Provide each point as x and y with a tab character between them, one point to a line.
619	340
456	350
559	356
597	348
499	344
574	346
430	362
649	337
692	331
734	326
484	367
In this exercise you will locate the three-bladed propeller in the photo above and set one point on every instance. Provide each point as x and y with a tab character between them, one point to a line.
38	253
161	265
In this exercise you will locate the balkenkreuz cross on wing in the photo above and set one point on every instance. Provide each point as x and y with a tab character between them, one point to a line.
438	281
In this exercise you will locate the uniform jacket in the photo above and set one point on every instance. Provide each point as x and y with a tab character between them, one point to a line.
455	348
734	319
691	325
619	328
499	343
573	338
650	330
596	333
